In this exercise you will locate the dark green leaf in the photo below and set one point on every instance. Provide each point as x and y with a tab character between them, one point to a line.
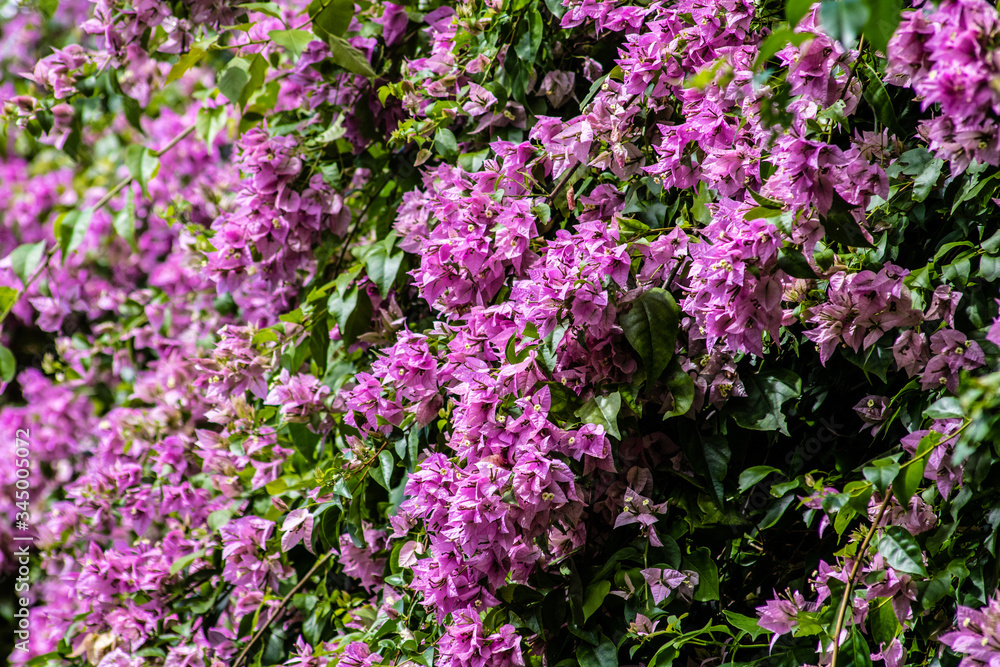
701	561
348	57
841	226
8	364
795	10
855	651
843	20
594	596
381	470
603	410
753	475
651	328
257	70
382	268
908	481
681	388
882	22
901	551
881	473
795	264
528	45
603	655
925	169
877	96
766	393
884	624
331	18
74	230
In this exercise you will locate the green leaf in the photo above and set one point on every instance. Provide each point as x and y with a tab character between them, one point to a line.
218	519
124	221
348	57
74	230
269	8
795	10
25	260
8	364
753	475
209	123
48	7
925	169
184	561
382	268
381	470
766	393
603	411
294	41
884	624
701	561
908	481
651	329
257	71
142	165
745	623
665	657
714	453
234	79
8	297
843	20
776	41
795	264
331	18
189	59
945	408
527	47
594	596
881	473
603	655
473	162
446	144
681	388
841	226
855	651
901	551
882	22
971	191
877	96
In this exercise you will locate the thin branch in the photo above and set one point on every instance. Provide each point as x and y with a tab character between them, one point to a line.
854	573
284	601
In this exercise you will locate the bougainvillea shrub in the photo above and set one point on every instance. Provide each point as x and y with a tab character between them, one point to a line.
500	333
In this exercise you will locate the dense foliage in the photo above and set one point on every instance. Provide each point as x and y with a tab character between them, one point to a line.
500	332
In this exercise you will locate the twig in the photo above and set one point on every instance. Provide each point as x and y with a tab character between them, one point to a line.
357	225
839	625
310	573
281	605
